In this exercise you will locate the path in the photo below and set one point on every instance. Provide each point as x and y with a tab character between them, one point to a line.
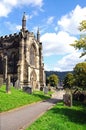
23	117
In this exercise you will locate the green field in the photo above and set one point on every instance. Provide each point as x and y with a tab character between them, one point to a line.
18	98
61	117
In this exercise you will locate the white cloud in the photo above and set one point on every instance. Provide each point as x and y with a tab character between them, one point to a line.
70	22
18	27
6	6
4	10
13	27
58	44
31	2
50	20
68	62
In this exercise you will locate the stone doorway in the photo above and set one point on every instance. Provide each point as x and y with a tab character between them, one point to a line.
33	79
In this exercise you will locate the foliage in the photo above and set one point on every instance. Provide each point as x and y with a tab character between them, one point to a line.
61	75
61	117
53	80
81	43
80	74
68	81
19	98
82	25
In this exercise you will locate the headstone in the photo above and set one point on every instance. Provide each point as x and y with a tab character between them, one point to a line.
45	90
8	84
41	88
17	84
67	99
1	81
27	90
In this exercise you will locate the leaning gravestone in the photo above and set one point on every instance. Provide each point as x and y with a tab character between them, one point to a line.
67	99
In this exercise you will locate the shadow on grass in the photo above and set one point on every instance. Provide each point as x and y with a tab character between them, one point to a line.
44	97
76	116
3	91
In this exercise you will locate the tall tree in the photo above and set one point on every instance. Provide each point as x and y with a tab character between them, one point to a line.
53	80
81	43
68	81
80	75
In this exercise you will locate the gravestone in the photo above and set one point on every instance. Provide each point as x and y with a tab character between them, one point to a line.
67	99
41	88
1	81
8	84
17	84
27	90
45	90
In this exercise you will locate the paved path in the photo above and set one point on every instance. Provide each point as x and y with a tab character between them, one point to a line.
21	118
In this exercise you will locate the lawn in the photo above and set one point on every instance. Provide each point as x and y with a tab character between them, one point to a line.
61	117
18	98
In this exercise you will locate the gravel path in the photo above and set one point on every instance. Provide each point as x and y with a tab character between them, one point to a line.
20	118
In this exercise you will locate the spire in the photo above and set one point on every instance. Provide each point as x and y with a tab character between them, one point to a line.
38	35
24	22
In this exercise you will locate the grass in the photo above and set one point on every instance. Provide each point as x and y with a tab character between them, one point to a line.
61	117
18	98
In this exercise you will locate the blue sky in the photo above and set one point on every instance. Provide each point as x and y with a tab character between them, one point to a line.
58	21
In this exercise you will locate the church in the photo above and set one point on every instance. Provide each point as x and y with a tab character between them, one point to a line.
21	58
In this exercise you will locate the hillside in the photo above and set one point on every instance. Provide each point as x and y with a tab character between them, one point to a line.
61	75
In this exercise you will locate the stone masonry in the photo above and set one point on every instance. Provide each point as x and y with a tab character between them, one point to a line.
25	59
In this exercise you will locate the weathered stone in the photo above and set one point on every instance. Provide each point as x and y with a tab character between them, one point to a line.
27	89
24	58
1	81
67	99
8	84
17	84
45	90
41	88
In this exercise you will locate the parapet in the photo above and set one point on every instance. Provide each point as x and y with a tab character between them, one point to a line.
8	37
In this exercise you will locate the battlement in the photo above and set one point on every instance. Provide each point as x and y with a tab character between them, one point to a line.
10	36
16	35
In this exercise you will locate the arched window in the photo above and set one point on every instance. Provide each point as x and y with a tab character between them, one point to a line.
33	55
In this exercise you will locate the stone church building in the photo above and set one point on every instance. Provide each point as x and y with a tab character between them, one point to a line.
21	58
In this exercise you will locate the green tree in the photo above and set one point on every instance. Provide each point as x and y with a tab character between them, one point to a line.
53	80
81	43
80	75
68	81
47	80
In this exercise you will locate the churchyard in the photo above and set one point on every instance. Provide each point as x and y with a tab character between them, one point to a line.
18	98
62	117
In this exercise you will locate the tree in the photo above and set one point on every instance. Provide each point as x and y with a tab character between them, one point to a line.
80	74
81	43
53	80
68	81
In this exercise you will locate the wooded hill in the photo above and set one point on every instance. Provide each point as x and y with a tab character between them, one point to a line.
61	75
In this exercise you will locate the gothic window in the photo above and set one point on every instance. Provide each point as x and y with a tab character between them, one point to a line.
32	55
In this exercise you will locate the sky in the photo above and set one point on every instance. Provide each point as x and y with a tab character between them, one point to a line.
58	21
